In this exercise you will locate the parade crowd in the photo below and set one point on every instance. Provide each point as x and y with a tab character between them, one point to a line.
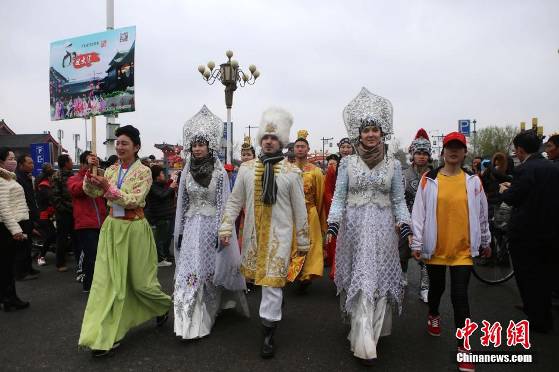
279	219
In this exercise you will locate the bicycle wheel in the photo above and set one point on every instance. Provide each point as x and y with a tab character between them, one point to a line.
497	268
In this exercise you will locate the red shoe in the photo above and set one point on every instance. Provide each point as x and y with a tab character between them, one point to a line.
434	325
465	366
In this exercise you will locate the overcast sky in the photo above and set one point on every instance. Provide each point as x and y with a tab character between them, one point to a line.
437	61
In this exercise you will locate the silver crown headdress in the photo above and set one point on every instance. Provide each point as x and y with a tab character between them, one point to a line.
203	126
365	110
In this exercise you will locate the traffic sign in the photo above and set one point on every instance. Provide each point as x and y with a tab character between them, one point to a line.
464	127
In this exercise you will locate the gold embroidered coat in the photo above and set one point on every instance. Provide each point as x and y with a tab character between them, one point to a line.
268	229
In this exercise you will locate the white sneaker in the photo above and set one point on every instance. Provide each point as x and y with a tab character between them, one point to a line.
424	295
164	263
41	261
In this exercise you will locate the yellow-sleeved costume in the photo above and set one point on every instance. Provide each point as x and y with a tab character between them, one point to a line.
268	229
125	291
313	183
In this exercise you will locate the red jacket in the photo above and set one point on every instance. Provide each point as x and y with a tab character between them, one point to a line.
89	213
44	192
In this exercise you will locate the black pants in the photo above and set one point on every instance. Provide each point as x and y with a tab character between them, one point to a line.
23	260
7	259
459	279
48	235
533	268
88	239
163	234
405	253
65	238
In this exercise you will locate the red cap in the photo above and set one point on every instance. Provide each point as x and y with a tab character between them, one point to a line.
229	167
455	136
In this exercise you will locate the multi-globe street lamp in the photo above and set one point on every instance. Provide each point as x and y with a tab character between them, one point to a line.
231	76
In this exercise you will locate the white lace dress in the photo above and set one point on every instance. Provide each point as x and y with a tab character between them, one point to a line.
367	205
207	277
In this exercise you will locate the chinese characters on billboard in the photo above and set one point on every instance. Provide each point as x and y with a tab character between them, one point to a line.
92	75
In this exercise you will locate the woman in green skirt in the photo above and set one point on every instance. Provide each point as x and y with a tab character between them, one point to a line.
125	290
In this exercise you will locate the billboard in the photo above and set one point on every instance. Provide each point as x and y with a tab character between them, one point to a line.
40	153
92	74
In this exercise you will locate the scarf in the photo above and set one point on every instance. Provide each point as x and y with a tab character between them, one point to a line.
420	170
201	169
371	156
269	186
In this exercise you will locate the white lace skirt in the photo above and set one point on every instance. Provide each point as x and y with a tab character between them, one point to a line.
197	300
368	323
367	258
198	320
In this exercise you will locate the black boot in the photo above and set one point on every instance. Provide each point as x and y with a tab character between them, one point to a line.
14	304
160	320
304	286
267	350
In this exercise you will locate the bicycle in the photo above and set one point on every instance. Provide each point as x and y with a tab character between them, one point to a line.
498	268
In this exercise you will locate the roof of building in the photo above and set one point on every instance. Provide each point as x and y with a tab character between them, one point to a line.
8	138
22	140
122	58
5	129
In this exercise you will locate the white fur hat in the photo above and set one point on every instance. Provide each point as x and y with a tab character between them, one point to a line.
276	122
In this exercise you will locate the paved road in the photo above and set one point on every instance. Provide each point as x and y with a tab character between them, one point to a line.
310	338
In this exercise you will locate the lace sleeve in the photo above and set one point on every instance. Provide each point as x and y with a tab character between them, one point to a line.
399	207
182	207
340	194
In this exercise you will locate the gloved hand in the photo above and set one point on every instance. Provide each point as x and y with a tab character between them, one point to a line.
333	228
405	230
332	231
179	242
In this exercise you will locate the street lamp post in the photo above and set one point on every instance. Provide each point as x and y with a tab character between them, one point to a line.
475	137
76	148
229	74
249	128
324	140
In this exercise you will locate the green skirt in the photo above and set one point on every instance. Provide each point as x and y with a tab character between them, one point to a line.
125	291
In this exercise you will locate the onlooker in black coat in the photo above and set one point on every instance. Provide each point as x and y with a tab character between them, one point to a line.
533	228
23	263
160	210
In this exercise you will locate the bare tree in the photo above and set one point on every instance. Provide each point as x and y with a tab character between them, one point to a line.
399	153
494	139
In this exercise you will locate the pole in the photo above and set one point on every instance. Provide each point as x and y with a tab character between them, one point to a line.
76	148
111	122
60	134
229	155
475	138
94	140
85	127
110	14
249	128
324	140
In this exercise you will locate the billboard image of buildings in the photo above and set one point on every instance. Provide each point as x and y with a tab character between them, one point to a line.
92	75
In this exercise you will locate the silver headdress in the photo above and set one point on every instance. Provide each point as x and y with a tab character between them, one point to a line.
205	126
365	110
